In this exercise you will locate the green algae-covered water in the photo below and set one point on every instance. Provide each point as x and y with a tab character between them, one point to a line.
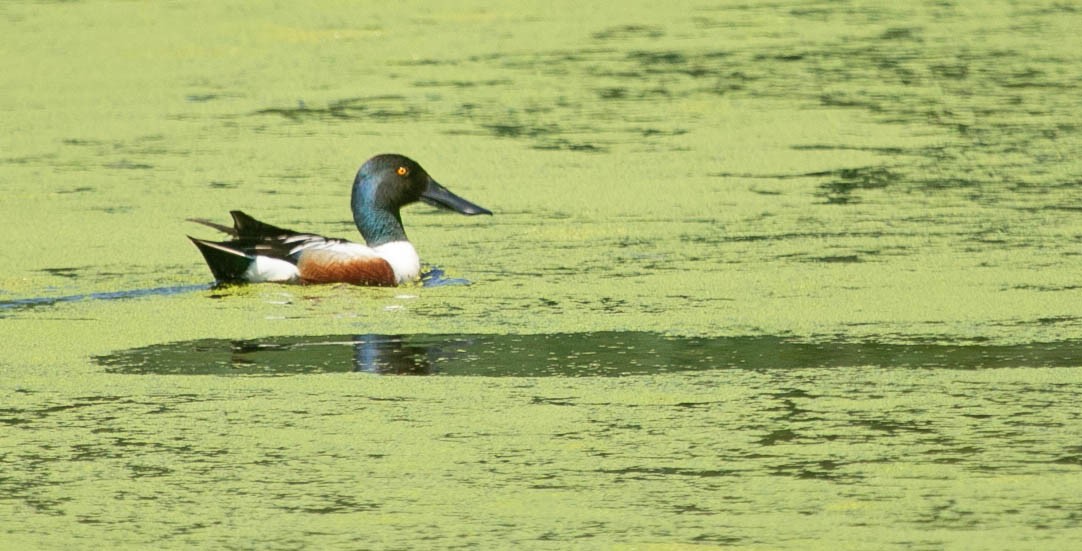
785	275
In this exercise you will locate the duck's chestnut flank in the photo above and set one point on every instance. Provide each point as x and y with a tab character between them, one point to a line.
326	267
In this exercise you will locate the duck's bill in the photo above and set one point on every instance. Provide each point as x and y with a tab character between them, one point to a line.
438	196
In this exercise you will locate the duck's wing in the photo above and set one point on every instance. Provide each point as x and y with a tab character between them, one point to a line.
247	227
252	237
257	251
244	226
262	252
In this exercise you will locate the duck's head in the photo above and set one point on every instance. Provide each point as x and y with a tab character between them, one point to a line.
385	184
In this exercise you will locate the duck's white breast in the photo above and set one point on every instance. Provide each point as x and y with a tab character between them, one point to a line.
403	259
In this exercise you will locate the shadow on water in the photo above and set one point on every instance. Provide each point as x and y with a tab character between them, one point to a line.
605	354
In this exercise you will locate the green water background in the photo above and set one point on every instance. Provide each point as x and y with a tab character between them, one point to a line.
836	171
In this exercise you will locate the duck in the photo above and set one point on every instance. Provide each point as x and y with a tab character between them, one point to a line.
260	252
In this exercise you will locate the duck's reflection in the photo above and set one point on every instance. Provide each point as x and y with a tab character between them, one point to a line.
371	353
391	355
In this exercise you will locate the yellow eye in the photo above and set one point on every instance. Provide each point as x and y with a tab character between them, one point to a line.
402	171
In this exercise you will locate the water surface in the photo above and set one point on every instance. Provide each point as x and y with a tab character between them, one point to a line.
794	276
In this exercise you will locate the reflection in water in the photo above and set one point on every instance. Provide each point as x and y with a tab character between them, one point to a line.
562	354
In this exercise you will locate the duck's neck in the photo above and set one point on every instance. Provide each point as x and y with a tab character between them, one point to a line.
378	222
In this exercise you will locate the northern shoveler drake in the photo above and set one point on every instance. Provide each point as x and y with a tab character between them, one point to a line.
384	184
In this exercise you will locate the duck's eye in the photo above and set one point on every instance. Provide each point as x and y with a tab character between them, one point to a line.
402	171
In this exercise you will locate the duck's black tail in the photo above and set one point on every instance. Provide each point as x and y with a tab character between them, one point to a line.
244	226
226	263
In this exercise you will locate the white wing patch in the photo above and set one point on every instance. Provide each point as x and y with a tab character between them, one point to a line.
344	249
265	268
318	242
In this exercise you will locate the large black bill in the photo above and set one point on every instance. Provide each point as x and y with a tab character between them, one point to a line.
438	196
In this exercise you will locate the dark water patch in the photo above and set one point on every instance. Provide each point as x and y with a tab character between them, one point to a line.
428	62
607	354
956	70
677	63
67	272
1073	456
80	189
749	238
651	132
332	503
22	304
901	33
1049	289
514	130
81	141
629	31
461	83
201	98
780	436
544	136
357	108
854	147
766	176
1056	319
892	427
813	470
29	159
663	473
117	209
567	145
840	259
650	58
617	92
125	164
845	183
1064	208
